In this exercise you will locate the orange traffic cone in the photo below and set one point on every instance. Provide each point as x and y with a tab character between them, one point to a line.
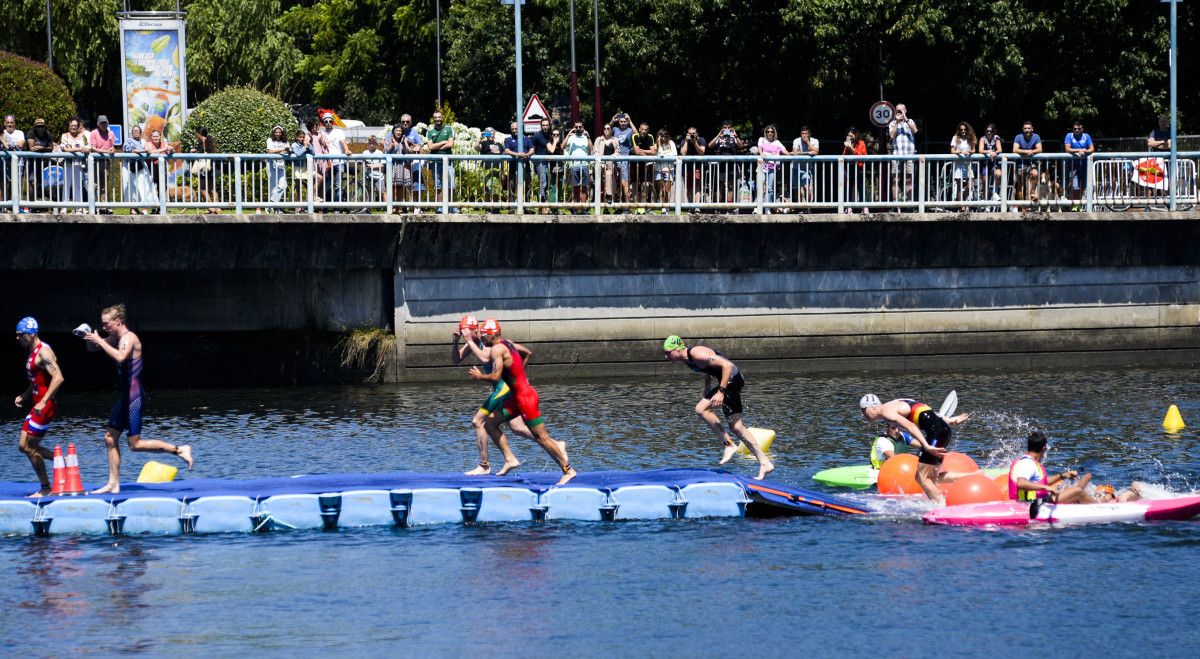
60	473
74	480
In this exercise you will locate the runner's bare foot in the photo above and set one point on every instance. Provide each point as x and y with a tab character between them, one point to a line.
185	453
109	488
478	471
44	492
764	469
730	450
508	466
567	476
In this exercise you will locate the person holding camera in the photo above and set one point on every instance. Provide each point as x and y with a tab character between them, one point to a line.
691	144
726	143
902	131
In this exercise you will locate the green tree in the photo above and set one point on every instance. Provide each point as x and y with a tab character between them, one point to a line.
239	42
238	119
29	90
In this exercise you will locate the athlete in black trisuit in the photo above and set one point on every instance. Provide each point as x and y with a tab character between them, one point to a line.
726	396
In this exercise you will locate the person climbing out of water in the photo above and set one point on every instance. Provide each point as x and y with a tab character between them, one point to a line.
468	329
125	348
892	441
725	396
45	378
1107	494
1028	481
931	433
508	365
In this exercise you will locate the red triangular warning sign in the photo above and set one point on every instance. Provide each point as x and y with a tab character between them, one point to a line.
534	112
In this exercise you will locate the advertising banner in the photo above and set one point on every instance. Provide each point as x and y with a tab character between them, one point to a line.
154	75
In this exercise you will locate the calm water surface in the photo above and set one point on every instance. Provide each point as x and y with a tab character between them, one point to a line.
805	586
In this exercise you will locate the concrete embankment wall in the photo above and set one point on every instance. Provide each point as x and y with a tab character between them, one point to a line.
256	299
820	294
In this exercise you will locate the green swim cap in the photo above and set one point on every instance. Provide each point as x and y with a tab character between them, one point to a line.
673	342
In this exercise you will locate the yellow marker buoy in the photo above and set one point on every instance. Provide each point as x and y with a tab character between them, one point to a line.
764	437
1173	422
157	472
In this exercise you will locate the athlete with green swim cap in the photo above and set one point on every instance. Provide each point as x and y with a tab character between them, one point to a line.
468	329
726	396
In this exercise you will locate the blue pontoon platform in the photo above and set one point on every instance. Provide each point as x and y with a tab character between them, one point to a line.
332	501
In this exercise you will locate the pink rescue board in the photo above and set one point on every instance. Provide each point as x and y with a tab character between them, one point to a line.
1015	513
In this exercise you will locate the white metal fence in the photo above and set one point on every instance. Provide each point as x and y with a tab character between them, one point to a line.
41	182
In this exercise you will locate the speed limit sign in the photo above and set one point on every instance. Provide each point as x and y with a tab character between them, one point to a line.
882	113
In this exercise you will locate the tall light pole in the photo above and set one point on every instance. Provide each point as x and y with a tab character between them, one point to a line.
520	167
574	76
1172	58
438	14
49	45
596	38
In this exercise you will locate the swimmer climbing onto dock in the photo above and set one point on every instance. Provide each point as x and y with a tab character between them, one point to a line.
929	431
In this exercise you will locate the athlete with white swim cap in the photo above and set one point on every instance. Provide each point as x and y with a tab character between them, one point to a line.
930	432
45	378
468	328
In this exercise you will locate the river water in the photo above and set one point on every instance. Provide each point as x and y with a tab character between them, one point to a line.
882	584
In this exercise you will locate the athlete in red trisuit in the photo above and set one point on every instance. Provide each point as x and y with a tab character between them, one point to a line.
44	380
508	364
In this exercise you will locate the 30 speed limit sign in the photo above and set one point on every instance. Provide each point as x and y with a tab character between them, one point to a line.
882	113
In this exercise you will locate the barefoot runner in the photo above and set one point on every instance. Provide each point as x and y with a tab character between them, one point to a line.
726	396
508	364
126	349
44	380
468	328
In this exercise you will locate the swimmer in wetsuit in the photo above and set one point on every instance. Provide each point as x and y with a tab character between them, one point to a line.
508	365
126	349
929	431
725	396
468	328
41	367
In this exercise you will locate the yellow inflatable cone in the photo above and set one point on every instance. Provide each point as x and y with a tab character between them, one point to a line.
1173	422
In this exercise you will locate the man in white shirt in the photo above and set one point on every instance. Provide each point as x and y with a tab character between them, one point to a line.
1028	480
11	139
903	132
802	172
336	139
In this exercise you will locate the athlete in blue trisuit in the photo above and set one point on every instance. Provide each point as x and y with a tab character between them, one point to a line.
468	328
126	349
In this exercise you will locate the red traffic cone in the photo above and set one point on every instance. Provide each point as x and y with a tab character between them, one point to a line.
74	480
60	473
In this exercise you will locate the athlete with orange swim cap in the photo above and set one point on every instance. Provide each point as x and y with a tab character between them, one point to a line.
468	329
508	365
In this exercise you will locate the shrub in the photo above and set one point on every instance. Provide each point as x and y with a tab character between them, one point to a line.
239	120
29	90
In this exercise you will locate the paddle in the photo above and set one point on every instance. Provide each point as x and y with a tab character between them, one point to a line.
949	405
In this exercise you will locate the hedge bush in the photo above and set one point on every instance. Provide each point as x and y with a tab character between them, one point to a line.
239	120
29	90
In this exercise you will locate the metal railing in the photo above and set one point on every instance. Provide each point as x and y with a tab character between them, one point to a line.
376	182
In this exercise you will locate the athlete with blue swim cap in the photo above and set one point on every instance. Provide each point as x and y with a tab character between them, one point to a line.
41	368
126	349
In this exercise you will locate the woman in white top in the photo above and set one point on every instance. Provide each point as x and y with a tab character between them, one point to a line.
75	143
376	168
135	173
664	170
277	145
963	145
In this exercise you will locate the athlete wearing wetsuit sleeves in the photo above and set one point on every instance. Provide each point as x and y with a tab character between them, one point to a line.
127	411
936	430
733	391
524	401
36	423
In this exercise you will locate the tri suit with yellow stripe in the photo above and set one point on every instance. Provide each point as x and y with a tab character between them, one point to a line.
500	392
733	390
936	430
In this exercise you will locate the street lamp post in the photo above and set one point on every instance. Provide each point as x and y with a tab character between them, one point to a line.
596	39
1172	57
520	167
574	76
49	46
438	14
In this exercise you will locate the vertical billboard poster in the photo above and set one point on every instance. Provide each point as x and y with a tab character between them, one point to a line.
154	76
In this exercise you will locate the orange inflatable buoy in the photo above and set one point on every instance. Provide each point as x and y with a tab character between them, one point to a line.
960	462
976	488
899	475
1002	483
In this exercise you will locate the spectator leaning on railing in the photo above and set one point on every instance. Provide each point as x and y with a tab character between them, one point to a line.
664	170
334	143
623	132
74	143
1027	144
137	182
1160	138
606	145
802	172
103	141
519	149
579	143
277	145
963	145
39	140
643	172
769	151
373	183
991	145
856	178
11	139
298	151
1079	145
441	142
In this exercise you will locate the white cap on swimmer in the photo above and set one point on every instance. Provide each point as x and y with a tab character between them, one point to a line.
870	400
